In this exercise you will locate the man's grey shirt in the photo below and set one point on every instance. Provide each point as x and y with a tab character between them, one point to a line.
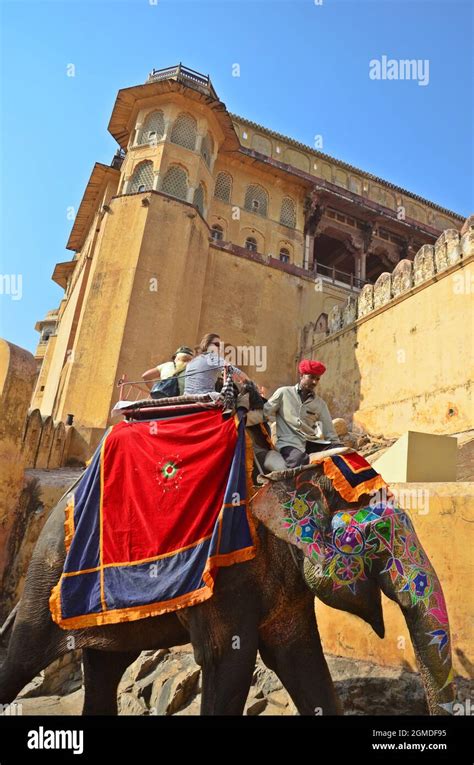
299	421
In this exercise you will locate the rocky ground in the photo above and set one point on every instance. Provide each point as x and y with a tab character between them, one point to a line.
168	682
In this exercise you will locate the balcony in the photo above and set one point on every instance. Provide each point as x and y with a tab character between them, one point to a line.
189	77
339	278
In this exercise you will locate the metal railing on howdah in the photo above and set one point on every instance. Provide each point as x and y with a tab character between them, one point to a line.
137	387
330	272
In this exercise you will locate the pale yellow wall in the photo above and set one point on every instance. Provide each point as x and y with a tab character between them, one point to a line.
443	532
407	366
37	398
127	326
270	234
268	231
104	311
268	308
314	163
59	352
70	313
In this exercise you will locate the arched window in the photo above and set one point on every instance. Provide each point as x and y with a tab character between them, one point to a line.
288	212
217	232
223	188
256	200
284	255
207	149
153	128
199	197
142	178
251	244
175	182
321	324
184	131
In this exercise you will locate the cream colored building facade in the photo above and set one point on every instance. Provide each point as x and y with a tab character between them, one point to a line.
206	222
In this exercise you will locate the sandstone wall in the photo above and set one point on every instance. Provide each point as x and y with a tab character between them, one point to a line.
17	376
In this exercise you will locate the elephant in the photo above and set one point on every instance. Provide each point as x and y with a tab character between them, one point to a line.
349	555
259	605
265	604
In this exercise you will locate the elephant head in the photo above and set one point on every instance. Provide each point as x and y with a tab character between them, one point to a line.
350	552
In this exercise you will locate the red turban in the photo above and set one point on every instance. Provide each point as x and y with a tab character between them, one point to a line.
307	367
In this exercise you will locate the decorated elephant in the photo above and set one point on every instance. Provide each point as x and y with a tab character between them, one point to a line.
348	554
315	544
262	604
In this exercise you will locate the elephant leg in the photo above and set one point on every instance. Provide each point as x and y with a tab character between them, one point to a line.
225	646
429	632
290	646
102	673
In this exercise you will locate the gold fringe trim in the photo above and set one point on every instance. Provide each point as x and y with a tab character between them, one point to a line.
152	609
69	523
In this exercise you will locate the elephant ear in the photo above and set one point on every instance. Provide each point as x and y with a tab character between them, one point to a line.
366	602
296	511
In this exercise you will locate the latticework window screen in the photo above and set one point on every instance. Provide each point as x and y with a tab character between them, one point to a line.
153	128
142	178
175	182
223	187
288	213
256	200
184	131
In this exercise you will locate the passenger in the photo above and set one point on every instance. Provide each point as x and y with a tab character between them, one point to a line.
202	372
303	422
176	366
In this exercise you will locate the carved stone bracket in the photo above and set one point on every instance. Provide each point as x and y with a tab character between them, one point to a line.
314	211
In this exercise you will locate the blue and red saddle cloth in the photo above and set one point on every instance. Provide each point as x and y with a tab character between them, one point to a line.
154	516
162	505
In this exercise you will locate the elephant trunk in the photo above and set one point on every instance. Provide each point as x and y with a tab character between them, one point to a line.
431	644
423	606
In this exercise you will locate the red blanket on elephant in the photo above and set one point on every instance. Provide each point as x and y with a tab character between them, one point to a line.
161	506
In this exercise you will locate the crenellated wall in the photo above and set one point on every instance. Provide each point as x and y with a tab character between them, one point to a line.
400	356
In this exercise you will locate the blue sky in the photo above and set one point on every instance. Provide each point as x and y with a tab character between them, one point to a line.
304	71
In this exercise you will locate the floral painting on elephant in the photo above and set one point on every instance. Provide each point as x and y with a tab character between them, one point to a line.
350	539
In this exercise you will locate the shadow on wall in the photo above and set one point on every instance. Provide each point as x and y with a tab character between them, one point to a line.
340	359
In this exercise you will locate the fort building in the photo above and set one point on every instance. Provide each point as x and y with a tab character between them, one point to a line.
205	221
